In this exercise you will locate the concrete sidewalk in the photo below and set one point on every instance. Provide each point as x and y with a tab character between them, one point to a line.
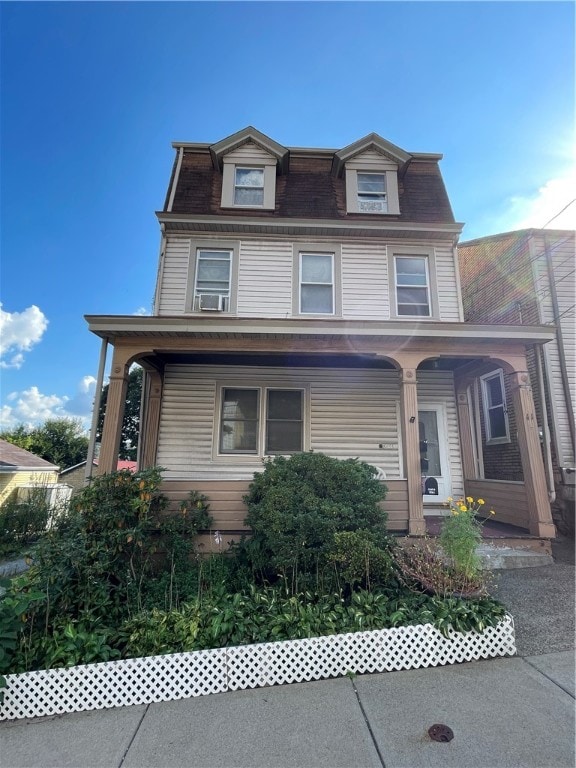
515	712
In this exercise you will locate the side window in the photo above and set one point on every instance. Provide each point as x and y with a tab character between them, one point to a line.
249	187
317	283
284	421
372	192
212	282
412	283
495	413
239	422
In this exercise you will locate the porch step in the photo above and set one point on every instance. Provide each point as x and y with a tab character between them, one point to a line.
503	557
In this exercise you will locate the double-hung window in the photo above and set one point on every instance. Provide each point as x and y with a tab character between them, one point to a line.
495	413
412	286
249	187
317	283
212	280
372	192
261	421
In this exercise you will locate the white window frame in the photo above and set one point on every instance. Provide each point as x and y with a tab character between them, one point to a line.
398	285
195	246
197	293
365	197
262	421
488	407
238	186
301	283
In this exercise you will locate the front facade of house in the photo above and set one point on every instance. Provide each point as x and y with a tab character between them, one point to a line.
527	277
309	299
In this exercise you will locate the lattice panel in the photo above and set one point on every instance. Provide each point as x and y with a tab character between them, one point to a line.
198	673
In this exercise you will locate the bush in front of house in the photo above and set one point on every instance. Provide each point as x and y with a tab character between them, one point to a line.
23	522
297	509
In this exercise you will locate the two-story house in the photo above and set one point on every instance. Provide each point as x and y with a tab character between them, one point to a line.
309	299
518	278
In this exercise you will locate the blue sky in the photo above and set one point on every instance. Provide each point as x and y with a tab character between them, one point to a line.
93	94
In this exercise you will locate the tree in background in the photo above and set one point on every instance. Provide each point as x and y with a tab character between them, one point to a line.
131	422
63	442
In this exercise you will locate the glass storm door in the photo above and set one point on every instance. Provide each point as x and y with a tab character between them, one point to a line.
434	464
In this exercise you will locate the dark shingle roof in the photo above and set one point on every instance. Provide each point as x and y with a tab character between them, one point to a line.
13	456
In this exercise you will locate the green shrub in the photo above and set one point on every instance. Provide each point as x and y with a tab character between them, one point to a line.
297	505
22	522
361	560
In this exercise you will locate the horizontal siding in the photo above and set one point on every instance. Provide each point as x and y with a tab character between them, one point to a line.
352	412
228	509
365	281
248	152
265	278
172	298
507	499
448	301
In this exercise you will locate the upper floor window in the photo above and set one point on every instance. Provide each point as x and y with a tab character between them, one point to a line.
412	286
317	283
372	192
249	187
495	413
259	423
212	283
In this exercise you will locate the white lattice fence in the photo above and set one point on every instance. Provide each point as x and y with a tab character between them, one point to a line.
198	673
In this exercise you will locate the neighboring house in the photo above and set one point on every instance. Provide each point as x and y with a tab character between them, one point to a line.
22	471
309	299
76	476
527	278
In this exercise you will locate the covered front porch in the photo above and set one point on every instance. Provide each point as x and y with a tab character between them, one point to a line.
408	353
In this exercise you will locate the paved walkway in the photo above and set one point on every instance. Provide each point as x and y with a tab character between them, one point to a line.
509	713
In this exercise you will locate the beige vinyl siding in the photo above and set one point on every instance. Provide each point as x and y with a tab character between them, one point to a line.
172	299
563	261
265	278
248	153
365	292
438	387
447	285
507	499
352	412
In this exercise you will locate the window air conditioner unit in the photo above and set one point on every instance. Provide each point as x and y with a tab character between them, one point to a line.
211	302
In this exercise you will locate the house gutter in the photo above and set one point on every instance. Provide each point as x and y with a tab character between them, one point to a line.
96	411
561	348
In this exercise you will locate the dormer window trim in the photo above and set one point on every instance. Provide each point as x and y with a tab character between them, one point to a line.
230	186
355	199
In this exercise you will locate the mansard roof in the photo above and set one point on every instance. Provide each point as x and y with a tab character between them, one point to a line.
246	135
370	142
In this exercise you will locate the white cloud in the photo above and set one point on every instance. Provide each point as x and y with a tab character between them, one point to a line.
542	208
141	311
32	407
19	332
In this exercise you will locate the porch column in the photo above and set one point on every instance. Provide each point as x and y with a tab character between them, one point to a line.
539	511
466	439
151	422
411	451
112	429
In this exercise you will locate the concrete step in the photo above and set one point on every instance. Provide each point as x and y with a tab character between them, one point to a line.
502	557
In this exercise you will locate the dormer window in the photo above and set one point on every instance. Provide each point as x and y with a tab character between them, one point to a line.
372	192
249	187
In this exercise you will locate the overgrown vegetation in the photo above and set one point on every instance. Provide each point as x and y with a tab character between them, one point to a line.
22	522
118	577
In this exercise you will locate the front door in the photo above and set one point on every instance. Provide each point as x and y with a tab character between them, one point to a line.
434	464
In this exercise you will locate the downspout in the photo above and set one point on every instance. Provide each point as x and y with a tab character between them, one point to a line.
546	430
96	411
560	339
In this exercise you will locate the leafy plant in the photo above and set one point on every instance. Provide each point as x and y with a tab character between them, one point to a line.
297	504
460	535
22	522
361	559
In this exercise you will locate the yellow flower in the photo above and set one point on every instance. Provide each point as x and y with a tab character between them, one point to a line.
492	512
463	508
469	499
449	498
481	501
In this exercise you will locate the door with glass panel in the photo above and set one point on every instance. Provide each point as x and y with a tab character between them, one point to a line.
434	464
